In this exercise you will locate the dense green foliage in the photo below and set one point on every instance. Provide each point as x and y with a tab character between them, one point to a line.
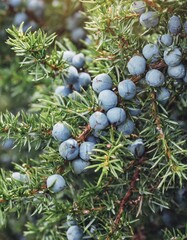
121	195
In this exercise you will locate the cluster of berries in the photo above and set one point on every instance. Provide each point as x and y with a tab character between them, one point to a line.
32	7
165	51
70	150
73	25
32	12
111	110
79	156
147	19
113	114
150	19
73	79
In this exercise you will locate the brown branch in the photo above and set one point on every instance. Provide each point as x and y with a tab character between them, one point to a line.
152	4
157	65
97	209
84	134
127	196
136	79
77	209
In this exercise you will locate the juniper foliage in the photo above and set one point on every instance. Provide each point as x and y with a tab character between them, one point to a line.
119	194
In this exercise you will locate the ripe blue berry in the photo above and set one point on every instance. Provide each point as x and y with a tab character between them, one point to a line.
177	72
78	16
8	144
134	111
174	25
84	79
92	139
127	89
20	177
78	34
138	7
14	3
70	23
69	149
151	52
102	82
63	91
154	78
19	18
86	149
149	19
78	60
79	165
126	127
137	148
74	233
77	86
107	99
166	39
98	121
72	75
36	6
163	95
172	57
56	183
61	132
116	115
136	65
68	56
